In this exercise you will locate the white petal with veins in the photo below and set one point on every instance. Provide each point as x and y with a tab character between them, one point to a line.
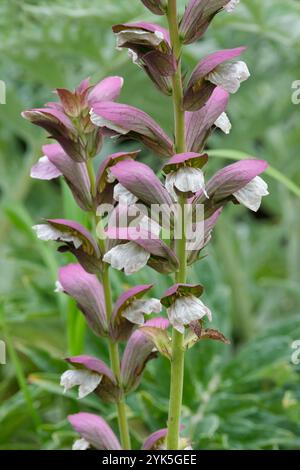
86	380
46	232
121	194
231	5
128	256
185	310
223	123
81	444
139	37
229	75
252	194
186	179
138	308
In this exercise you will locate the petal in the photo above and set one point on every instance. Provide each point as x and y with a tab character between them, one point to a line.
88	292
185	310
127	120
189	179
120	328
138	308
199	124
252	194
95	431
232	178
231	5
81	444
197	17
138	352
141	181
180	290
129	256
44	170
121	194
156	441
223	123
229	76
47	232
156	6
74	173
108	89
200	87
86	380
108	390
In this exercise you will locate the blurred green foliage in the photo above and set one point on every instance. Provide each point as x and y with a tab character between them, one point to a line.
243	396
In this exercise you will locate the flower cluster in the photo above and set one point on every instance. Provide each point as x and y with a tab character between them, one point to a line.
78	123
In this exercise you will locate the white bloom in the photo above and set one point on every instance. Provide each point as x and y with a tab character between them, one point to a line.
223	123
46	232
58	287
121	194
229	75
88	381
185	310
231	5
109	176
81	444
128	256
186	179
252	194
138	308
144	37
150	226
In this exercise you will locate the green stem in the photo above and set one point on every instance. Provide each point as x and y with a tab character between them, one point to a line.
113	347
177	361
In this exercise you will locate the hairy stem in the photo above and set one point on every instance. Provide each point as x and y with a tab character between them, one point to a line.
113	347
177	362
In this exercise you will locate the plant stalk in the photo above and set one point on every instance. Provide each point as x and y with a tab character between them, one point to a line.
177	361
113	347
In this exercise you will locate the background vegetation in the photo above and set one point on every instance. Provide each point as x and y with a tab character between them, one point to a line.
243	396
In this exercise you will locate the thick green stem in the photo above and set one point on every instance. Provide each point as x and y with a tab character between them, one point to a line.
113	347
177	361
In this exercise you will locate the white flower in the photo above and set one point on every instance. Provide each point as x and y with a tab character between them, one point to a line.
88	381
252	194
229	75
223	123
109	176
231	5
144	37
46	232
186	179
138	308
150	226
121	194
81	444
185	310
128	256
58	287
